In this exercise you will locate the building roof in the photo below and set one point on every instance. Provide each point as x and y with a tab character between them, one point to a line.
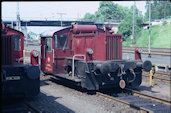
49	33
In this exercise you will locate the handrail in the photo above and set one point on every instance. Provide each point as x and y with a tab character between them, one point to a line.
53	55
73	68
20	59
44	51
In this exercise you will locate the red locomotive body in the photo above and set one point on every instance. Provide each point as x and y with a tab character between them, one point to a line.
12	38
18	80
89	56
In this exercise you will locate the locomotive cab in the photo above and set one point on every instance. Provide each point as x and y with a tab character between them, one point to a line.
90	56
19	80
12	46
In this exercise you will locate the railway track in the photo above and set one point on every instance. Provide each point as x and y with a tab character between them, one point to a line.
139	101
154	51
163	74
32	109
137	93
18	107
159	76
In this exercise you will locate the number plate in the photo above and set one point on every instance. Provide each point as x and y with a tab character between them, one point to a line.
13	78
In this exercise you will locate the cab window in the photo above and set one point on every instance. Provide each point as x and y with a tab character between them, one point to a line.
17	42
48	45
61	41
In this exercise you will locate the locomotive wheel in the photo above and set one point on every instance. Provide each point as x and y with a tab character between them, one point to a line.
122	84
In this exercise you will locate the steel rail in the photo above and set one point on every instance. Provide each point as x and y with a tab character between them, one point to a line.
163	74
141	109
154	51
146	49
159	73
157	78
137	93
35	110
161	51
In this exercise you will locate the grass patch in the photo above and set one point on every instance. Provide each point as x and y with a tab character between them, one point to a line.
160	37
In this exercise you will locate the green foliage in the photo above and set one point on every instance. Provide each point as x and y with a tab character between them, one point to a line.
160	37
164	23
108	10
159	9
89	17
125	27
139	22
128	42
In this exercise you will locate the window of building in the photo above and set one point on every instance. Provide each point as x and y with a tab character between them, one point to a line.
17	42
61	41
48	45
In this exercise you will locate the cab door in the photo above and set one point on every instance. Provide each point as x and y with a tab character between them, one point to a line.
48	55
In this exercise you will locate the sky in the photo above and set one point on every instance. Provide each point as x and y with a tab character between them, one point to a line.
50	10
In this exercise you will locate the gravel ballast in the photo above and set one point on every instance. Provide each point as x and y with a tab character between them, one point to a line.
56	98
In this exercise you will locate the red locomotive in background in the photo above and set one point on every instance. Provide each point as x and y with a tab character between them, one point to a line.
18	80
89	56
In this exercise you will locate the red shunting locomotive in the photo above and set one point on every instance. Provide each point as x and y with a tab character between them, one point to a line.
89	56
18	80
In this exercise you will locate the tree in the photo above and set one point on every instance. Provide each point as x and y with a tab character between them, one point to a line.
125	27
159	9
108	10
89	16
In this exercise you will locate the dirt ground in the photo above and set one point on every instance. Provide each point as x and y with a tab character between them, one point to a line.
58	98
160	89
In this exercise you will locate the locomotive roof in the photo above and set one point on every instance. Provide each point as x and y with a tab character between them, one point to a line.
13	30
51	32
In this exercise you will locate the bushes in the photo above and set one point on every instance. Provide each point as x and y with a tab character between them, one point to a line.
164	23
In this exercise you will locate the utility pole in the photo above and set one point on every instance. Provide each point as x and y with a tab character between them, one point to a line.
134	23
78	16
149	43
26	34
12	24
165	2
61	16
18	23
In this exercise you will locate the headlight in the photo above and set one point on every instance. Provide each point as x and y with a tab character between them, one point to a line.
35	54
90	51
140	50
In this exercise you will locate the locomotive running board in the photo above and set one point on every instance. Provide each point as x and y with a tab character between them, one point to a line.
65	76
